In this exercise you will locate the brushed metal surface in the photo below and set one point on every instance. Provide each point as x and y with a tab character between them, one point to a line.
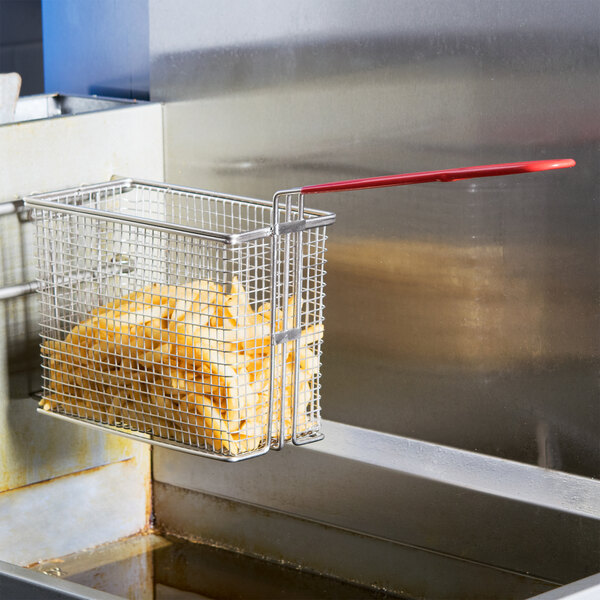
43	106
464	314
460	314
164	567
42	155
19	583
76	511
411	572
479	508
584	589
123	567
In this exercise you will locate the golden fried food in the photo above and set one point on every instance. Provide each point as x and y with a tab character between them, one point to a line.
190	364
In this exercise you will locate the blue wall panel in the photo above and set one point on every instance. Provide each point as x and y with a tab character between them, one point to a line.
77	57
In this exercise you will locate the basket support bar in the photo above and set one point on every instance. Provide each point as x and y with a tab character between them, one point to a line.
9	292
16	207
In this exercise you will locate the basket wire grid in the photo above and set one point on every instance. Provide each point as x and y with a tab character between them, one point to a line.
182	317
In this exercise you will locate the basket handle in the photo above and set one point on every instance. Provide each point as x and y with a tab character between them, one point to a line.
444	175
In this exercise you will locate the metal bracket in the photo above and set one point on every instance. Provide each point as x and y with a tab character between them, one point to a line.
289	227
16	207
289	335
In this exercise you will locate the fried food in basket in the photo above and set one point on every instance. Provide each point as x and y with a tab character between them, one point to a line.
188	363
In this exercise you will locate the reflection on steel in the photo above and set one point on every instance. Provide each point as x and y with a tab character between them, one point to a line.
402	569
17	582
481	508
584	589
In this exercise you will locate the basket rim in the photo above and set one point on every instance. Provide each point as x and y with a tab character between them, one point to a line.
49	200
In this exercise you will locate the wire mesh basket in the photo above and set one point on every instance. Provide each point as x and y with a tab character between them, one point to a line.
182	317
192	319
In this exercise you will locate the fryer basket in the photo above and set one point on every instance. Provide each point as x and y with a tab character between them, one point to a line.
182	317
193	319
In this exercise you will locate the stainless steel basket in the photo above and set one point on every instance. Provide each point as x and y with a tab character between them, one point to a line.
182	317
192	319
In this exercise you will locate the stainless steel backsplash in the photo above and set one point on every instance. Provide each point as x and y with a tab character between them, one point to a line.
464	313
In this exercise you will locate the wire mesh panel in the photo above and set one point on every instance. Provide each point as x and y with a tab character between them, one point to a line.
181	316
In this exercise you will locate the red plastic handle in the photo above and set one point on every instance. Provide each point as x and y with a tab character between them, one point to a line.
445	175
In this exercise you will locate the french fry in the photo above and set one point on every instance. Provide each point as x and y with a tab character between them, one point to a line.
189	363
